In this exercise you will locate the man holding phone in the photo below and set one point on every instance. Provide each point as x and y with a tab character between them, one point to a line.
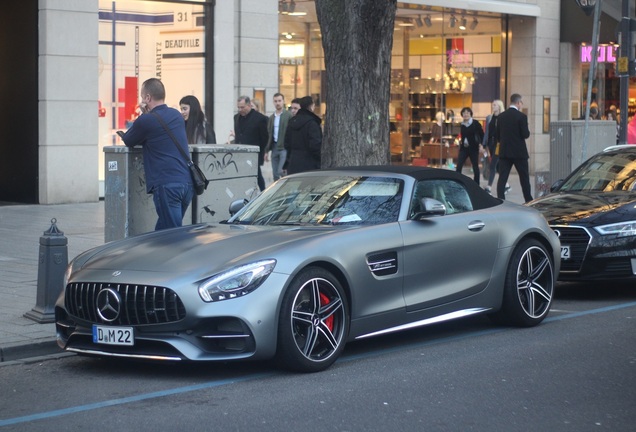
167	174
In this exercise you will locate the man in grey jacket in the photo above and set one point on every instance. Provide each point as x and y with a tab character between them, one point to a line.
276	129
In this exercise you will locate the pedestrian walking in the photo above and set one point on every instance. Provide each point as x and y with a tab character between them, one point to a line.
303	140
490	142
512	132
198	130
276	130
250	127
470	143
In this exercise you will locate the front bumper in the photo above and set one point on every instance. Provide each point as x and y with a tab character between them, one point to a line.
236	329
596	257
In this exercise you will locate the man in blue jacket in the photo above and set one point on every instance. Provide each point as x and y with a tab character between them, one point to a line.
512	132
167	174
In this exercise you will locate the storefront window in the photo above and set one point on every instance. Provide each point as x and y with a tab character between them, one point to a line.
140	40
301	59
442	61
605	95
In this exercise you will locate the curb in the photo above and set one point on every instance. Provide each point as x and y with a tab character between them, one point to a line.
22	350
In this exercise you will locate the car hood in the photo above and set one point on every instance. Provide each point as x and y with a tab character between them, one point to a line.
589	208
196	248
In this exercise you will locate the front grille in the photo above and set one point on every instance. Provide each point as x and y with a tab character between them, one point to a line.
578	239
140	304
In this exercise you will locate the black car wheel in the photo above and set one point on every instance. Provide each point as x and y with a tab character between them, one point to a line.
529	285
314	322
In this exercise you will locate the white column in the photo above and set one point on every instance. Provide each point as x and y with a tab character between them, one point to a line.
68	83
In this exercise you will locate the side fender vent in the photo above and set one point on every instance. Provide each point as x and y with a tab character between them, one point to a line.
383	264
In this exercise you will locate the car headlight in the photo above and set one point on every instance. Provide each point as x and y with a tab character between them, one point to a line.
236	282
621	229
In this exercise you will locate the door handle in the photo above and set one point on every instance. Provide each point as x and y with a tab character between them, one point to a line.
476	226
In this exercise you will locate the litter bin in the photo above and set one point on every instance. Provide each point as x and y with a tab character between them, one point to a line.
129	210
232	170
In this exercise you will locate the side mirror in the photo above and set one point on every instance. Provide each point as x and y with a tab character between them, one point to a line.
556	185
236	206
430	207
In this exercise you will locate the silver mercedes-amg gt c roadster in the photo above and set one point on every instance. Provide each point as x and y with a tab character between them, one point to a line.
318	259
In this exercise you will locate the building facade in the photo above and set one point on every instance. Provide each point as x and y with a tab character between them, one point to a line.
74	78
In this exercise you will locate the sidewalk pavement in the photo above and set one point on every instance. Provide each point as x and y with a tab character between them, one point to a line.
21	227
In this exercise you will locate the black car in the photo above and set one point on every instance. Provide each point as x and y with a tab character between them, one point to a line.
593	211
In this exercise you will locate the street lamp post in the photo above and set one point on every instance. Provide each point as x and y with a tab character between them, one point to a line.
625	68
588	7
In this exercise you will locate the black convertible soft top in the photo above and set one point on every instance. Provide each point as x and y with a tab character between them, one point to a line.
480	198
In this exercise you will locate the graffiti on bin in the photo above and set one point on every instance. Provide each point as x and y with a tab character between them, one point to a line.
220	166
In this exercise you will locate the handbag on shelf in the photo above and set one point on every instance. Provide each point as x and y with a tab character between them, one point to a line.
199	180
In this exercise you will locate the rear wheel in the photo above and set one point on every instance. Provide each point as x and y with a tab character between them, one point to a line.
314	322
529	285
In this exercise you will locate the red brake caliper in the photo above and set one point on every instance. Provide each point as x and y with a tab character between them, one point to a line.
324	300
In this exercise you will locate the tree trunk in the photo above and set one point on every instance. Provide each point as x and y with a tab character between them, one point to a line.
357	37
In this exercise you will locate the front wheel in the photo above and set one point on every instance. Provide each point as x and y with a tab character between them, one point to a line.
314	322
529	285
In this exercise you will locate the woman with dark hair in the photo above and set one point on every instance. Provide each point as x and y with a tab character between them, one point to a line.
490	143
471	137
303	139
198	130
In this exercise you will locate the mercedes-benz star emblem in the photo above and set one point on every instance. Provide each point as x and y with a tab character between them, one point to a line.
108	304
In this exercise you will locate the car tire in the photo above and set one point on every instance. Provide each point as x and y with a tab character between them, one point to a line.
314	322
528	287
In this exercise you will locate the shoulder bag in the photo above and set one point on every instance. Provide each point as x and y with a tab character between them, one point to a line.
198	178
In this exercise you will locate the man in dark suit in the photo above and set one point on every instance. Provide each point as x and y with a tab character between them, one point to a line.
512	132
250	127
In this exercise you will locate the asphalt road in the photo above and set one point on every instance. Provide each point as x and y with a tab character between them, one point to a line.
575	372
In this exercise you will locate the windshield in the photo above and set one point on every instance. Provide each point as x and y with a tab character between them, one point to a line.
322	199
604	172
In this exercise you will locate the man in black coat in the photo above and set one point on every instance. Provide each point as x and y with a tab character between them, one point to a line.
303	140
512	132
250	127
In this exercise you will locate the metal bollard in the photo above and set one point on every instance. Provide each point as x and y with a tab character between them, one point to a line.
51	267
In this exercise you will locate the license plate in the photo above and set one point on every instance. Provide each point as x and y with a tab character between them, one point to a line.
565	252
113	335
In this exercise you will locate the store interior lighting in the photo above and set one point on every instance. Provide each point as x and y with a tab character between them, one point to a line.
473	25
462	23
419	21
427	21
453	21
